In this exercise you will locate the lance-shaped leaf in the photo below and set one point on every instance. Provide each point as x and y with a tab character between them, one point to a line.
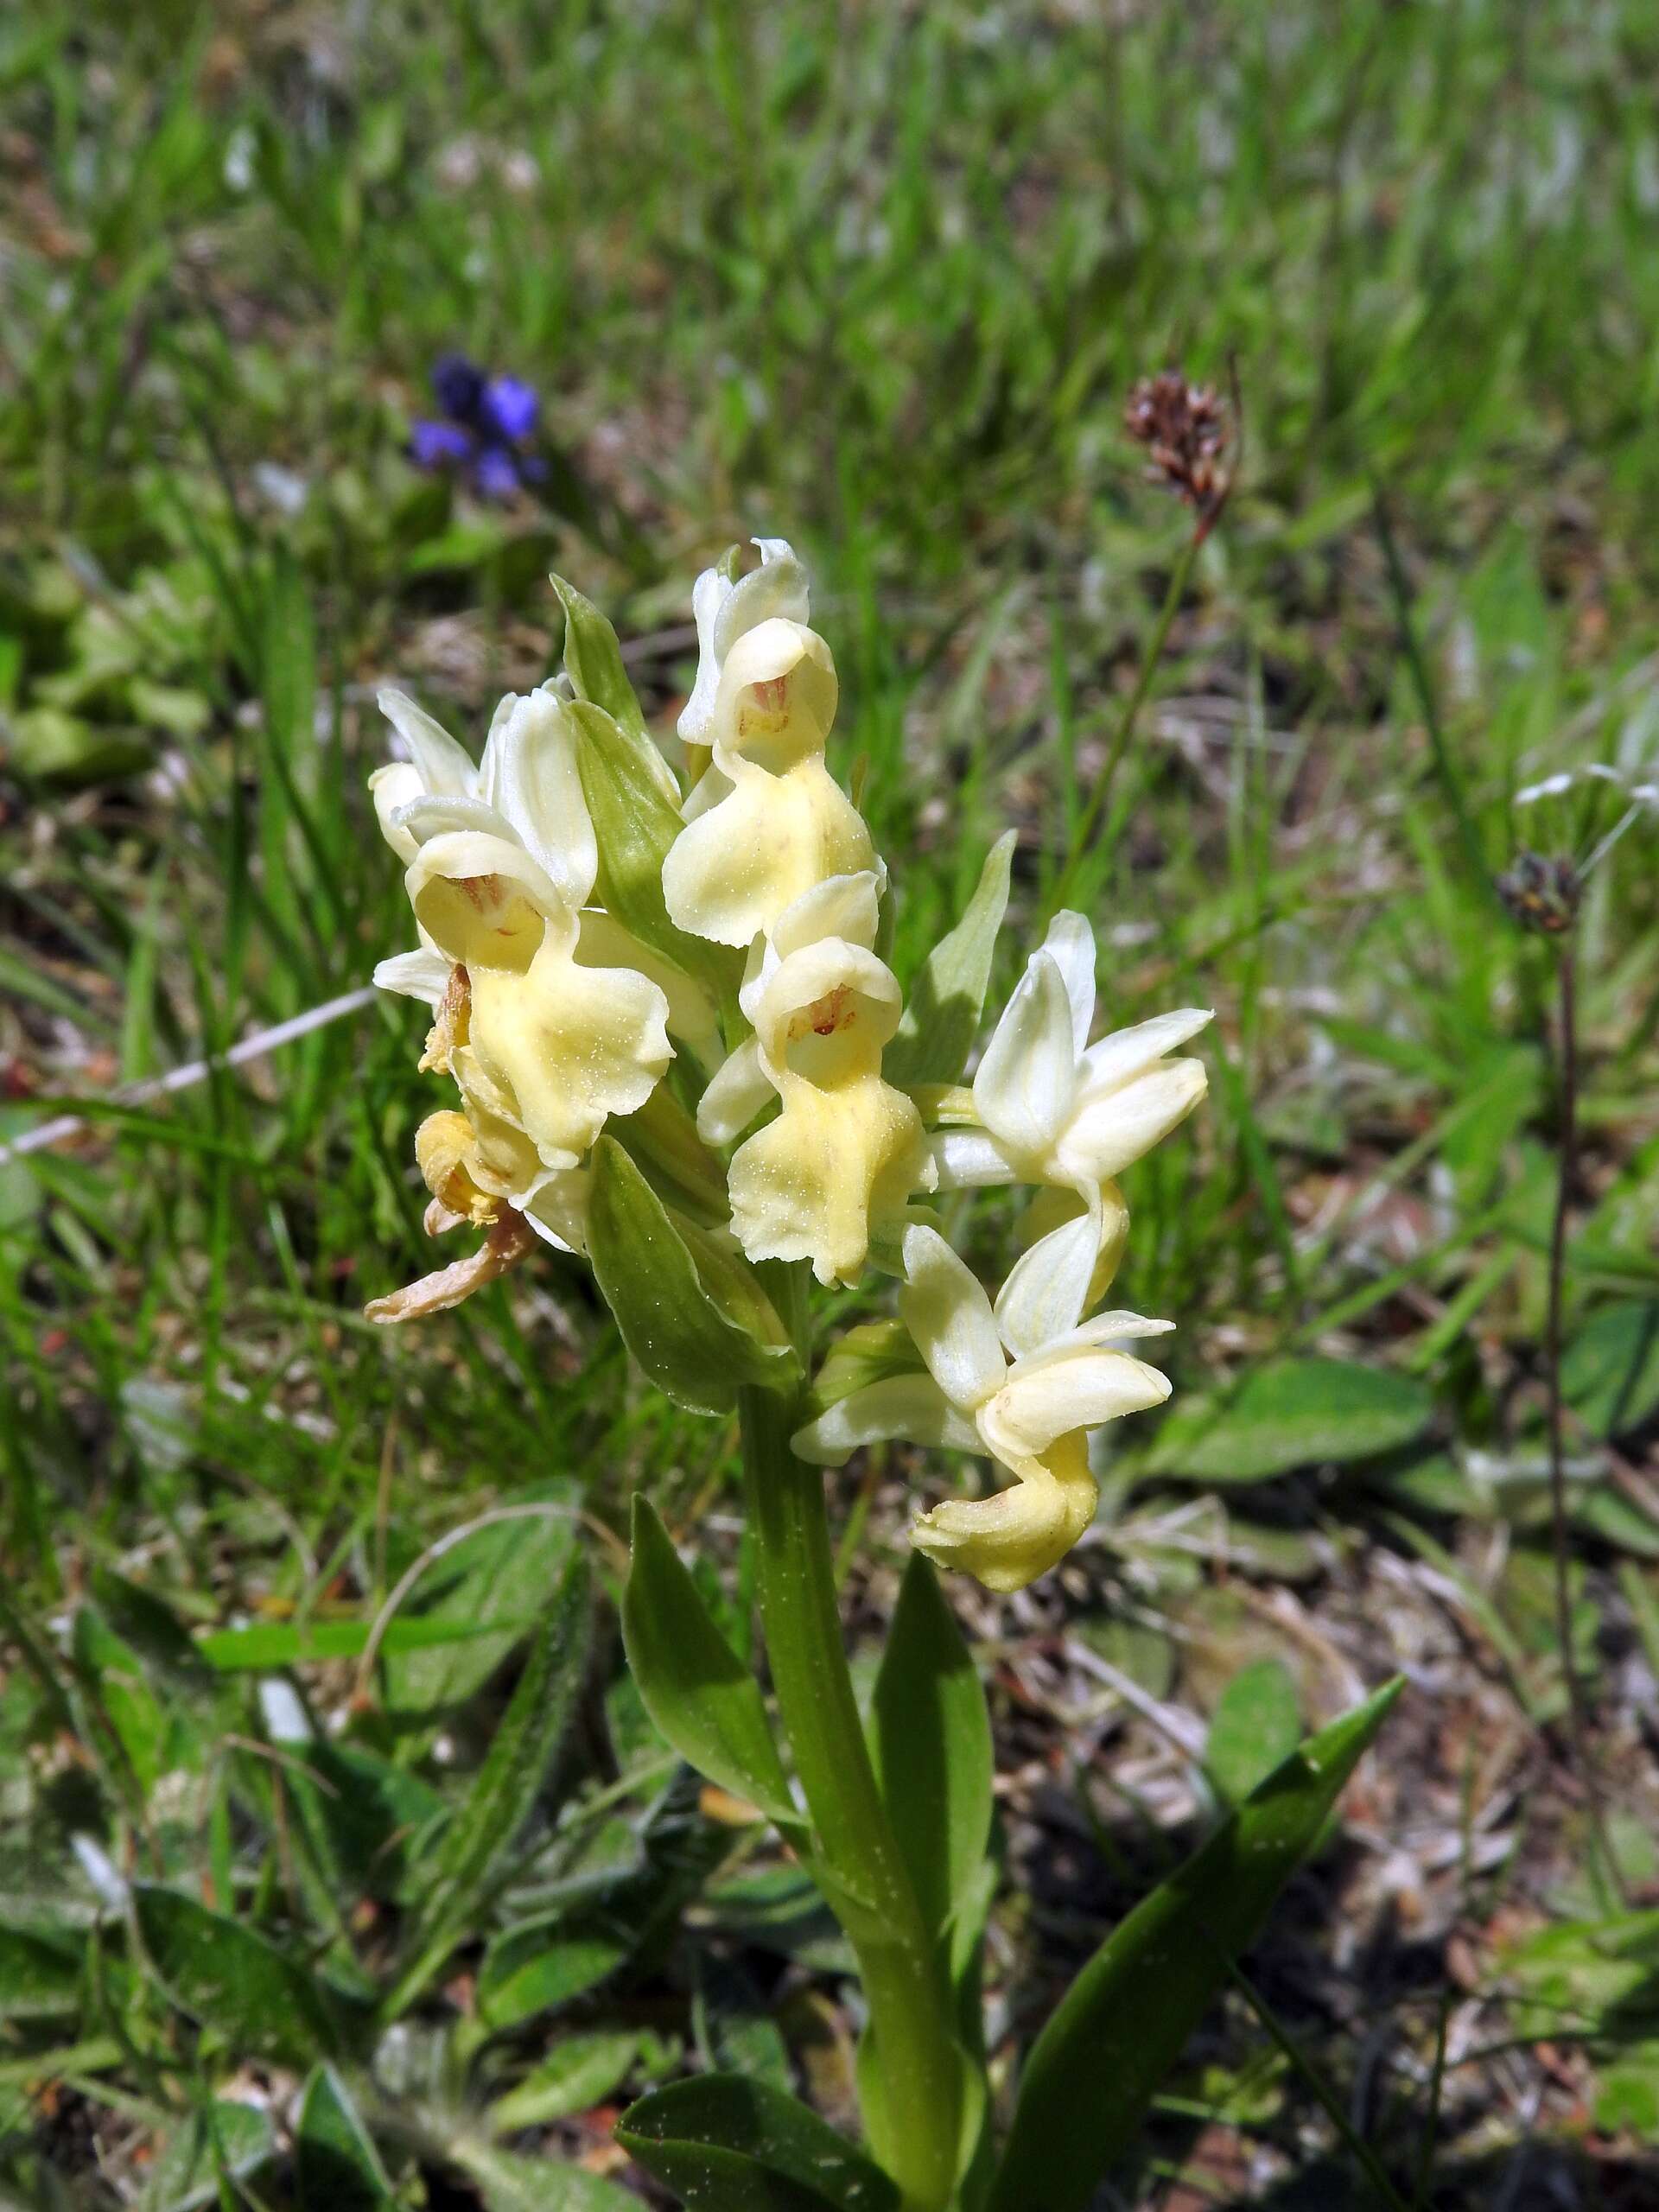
696	1688
592	661
681	1325
263	2002
636	818
340	2169
725	2143
930	1742
943	1004
1123	2022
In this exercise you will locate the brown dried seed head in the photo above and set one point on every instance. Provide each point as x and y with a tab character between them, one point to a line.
1185	431
1542	894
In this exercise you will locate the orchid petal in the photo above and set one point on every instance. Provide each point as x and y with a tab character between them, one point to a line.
1008	1539
1023	1089
538	788
950	1318
1071	944
445	766
1048	1287
1045	1398
911	1407
1113	1129
736	1092
1130	1051
969	1160
419	974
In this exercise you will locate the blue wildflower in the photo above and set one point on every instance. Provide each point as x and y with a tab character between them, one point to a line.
486	421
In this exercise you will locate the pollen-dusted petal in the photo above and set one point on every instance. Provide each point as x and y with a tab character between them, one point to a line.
777	697
1047	1398
692	1013
444	1148
1110	1131
1008	1539
447	1034
827	1009
506	1243
731	873
1024	1086
571	1046
481	899
836	1163
949	1318
909	1406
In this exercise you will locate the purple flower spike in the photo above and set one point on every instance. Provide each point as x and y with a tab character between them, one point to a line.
434	445
511	407
459	386
496	474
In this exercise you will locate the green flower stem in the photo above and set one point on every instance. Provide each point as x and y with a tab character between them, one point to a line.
918	2064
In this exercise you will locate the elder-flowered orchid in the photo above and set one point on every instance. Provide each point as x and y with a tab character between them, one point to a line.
766	820
847	1149
1003	1380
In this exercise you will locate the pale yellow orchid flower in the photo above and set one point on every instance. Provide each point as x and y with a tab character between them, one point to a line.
497	872
768	821
847	1149
1031	1414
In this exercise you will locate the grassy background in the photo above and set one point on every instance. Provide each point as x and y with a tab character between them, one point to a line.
877	279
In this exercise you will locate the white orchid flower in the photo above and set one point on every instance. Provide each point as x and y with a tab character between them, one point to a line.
501	860
847	1149
1031	1412
723	607
768	820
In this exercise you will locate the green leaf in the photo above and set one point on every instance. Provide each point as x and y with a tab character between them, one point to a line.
40	1975
228	1977
931	1742
578	2073
1125	2020
1256	1724
514	2185
498	1578
340	2169
1610	1372
725	2144
592	661
668	1320
1292	1413
231	2138
266	1645
540	1964
636	816
943	1004
696	1689
521	1751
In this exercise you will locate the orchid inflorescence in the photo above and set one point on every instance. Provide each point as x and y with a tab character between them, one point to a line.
677	1047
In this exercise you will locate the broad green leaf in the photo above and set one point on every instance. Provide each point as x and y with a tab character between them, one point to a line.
524	1746
1610	1372
930	1742
1256	1724
668	1321
340	2169
540	1964
40	1975
943	1004
231	2137
509	2184
579	2072
725	2144
592	661
264	2003
696	1688
1093	2071
1292	1413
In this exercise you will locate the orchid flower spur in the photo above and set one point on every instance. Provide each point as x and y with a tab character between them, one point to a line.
1031	1412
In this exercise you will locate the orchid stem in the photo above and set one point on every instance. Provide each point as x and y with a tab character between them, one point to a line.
909	2077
